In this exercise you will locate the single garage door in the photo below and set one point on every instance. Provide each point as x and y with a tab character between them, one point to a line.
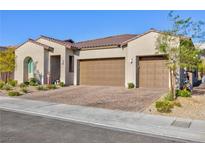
108	72
153	72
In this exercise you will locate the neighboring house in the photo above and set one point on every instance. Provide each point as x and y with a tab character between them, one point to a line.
2	48
111	61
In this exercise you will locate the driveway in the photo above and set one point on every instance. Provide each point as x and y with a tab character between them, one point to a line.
101	96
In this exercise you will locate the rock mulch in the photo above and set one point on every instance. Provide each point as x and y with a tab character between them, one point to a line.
193	108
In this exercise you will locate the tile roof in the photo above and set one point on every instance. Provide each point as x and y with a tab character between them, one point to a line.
37	43
43	45
107	41
116	40
64	43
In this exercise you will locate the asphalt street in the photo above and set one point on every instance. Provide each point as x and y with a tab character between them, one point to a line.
22	128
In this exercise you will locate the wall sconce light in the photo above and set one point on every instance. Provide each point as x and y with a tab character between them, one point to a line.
131	60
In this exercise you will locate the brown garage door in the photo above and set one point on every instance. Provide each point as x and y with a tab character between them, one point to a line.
108	72
153	72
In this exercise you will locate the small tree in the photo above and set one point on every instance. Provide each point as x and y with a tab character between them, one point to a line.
201	68
178	47
7	62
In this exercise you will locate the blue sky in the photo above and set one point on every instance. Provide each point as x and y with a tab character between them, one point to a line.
17	26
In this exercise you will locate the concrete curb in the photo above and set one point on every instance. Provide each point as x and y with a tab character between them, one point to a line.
97	125
141	124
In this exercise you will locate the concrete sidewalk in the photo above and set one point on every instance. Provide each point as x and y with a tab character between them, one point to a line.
182	129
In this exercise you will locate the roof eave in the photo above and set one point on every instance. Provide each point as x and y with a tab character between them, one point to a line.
138	36
59	42
37	43
100	47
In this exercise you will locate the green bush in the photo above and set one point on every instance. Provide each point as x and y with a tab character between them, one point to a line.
164	106
14	93
13	83
41	87
33	82
24	90
51	86
23	85
26	83
130	85
2	83
61	84
184	93
169	97
7	87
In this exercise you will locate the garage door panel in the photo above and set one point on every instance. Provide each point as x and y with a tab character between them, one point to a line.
153	72
102	72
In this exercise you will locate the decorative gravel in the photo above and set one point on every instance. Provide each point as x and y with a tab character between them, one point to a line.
193	108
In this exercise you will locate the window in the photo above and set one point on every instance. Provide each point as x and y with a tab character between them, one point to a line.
71	63
30	66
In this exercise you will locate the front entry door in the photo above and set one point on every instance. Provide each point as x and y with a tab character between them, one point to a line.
55	68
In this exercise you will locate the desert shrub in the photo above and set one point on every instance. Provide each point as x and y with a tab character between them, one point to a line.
24	90
26	83
23	85
41	87
33	82
164	106
2	83
130	85
14	93
51	86
184	93
7	87
169	97
61	84
13	83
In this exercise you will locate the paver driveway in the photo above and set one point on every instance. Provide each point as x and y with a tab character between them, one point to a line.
101	96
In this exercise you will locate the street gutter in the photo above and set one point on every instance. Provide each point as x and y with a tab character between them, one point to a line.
150	125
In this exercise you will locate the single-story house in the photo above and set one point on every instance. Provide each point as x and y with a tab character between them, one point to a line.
111	61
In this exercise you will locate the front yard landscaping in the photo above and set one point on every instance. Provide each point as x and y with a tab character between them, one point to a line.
192	107
12	88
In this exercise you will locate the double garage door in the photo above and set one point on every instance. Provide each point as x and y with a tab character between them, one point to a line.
107	72
153	72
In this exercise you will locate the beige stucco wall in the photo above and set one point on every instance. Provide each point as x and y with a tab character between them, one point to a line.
142	46
58	50
42	59
101	53
69	75
46	58
34	51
